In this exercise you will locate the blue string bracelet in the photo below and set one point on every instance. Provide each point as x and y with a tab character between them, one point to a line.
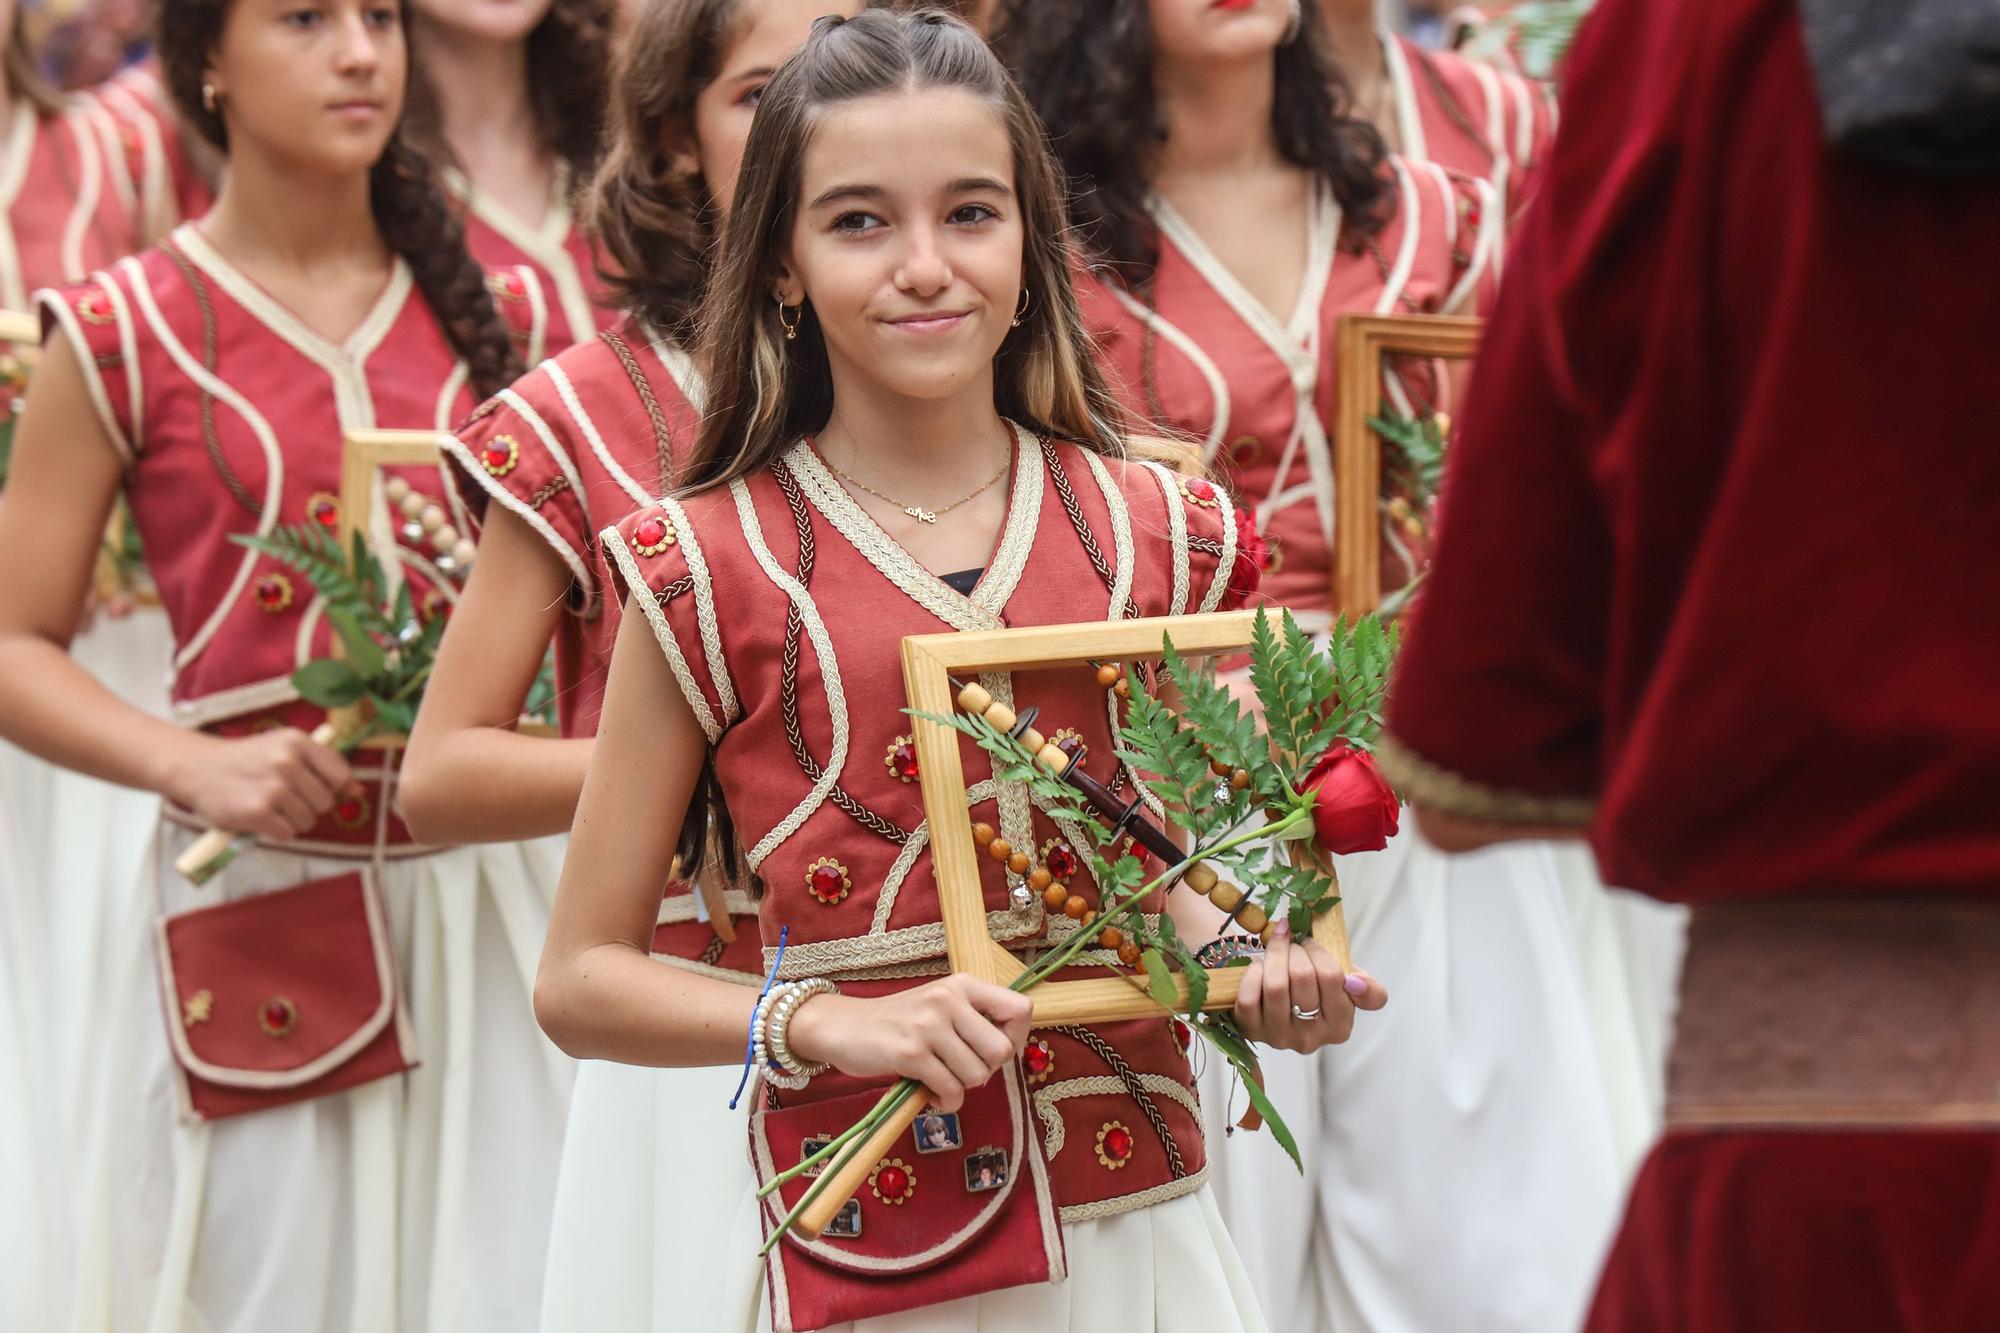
750	1042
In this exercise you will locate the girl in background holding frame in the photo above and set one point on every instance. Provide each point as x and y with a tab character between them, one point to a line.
568	449
892	316
1226	254
259	1162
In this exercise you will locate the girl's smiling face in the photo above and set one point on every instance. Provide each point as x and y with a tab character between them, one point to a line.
907	241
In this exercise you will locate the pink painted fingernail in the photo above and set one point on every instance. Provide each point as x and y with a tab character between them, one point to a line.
1355	985
1282	929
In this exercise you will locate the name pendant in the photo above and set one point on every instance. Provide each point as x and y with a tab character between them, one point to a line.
921	515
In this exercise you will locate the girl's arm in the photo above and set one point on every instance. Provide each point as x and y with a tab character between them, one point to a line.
599	996
468	775
64	477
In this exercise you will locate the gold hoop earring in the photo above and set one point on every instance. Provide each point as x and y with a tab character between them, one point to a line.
1021	309
208	98
791	326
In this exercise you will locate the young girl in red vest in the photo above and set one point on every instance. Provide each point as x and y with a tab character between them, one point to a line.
261	1160
907	435
516	107
568	449
1261	212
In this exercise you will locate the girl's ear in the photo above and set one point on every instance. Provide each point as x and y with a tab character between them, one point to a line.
677	145
785	286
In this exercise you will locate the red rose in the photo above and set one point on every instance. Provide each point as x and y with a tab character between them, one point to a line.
1253	557
1354	810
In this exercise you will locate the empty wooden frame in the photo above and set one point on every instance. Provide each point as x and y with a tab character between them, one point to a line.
1360	343
929	663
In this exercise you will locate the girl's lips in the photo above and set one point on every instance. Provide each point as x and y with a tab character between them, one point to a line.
1232	4
939	323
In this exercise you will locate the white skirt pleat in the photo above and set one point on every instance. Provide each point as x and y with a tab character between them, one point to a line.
653	1166
412	1203
1170	1268
1467	1151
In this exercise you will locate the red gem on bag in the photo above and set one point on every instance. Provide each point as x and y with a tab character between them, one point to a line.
351	811
1060	860
1039	1059
1183	1036
893	1181
278	1016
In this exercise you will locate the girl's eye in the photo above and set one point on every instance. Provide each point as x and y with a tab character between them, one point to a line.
856	222
303	18
383	18
966	214
750	97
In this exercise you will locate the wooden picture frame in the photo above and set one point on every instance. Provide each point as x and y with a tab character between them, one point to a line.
929	663
1360	343
20	328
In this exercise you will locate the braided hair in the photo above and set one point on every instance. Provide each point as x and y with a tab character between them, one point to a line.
410	210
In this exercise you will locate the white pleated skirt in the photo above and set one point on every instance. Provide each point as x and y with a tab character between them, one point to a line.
415	1203
74	854
656	1231
1468	1150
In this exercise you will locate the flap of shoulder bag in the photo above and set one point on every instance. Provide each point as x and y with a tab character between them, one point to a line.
943	1185
278	989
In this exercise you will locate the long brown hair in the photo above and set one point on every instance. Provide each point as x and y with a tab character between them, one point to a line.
655	219
1087	68
764	392
409	209
569	52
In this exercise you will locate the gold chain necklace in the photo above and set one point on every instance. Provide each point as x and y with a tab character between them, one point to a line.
918	512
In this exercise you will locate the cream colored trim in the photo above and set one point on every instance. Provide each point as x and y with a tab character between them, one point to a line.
979	611
1409	116
1049	1099
1177	533
235	701
614	546
538	314
344	363
333	851
567	392
1225	567
704	609
1432	786
267	440
863	1263
1128	1203
525	410
1485	246
486	481
442	417
545	245
702	969
19	152
336	1056
90	184
1121	530
1406	255
53	305
678	909
829	670
1496	127
1168	331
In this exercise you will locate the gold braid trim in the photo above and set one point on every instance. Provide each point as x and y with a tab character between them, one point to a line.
1127	1203
1428	785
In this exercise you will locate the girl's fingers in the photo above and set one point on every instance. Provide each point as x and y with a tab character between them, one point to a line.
947	1093
1250	998
1365	990
962	1060
992	1045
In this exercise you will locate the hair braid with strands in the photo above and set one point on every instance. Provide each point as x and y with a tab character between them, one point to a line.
411	212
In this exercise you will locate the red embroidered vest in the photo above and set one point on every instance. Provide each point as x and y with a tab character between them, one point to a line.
780	605
230	415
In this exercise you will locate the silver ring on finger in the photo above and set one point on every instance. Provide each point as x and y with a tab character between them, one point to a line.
1305	1015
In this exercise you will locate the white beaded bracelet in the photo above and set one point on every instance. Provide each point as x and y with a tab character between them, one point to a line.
779	1024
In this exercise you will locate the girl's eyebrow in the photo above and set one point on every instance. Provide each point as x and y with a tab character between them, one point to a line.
875	193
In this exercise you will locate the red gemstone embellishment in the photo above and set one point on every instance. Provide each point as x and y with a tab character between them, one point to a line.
1183	1036
1039	1059
901	760
826	880
508	286
324	509
1114	1144
1060	860
273	592
1069	742
499	455
278	1016
1199	491
95	308
652	536
1473	213
894	1181
351	811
